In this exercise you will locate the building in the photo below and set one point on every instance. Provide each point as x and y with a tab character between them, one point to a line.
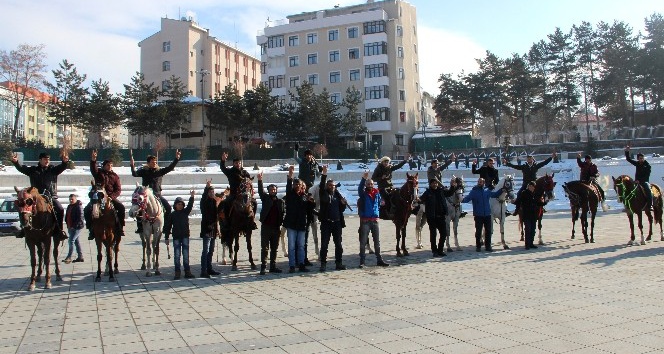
372	46
205	65
593	122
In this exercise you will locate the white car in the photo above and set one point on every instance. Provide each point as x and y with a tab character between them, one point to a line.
9	223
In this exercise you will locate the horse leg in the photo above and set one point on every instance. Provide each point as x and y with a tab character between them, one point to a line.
282	239
502	232
56	252
649	215
456	233
155	241
236	248
47	262
592	226
99	257
403	241
40	257
148	253
639	218
630	217
251	257
116	249
584	224
145	251
398	233
33	264
109	261
539	230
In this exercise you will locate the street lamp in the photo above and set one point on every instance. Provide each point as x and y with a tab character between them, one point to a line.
585	99
204	73
497	127
424	133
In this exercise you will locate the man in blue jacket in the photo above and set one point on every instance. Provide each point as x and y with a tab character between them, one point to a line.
369	200
480	196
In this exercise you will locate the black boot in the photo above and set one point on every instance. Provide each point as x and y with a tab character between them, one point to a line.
273	268
139	229
262	269
340	266
91	236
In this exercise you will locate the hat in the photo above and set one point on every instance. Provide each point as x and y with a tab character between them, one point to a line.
385	158
44	155
588	157
308	152
434	161
106	162
178	200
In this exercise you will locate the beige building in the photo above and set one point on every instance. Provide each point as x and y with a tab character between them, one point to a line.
204	64
372	46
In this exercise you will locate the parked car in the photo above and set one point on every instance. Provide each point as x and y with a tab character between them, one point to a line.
9	223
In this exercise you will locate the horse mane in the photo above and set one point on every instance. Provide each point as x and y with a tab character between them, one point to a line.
40	202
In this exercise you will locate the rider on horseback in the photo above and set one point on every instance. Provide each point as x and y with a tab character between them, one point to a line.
529	170
642	175
107	178
44	177
235	175
589	174
382	175
488	173
309	167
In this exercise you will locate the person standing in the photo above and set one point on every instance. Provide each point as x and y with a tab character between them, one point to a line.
529	172
368	209
331	216
531	206
480	196
435	207
107	178
75	224
488	173
151	175
642	174
44	177
209	229
297	203
589	174
177	223
271	218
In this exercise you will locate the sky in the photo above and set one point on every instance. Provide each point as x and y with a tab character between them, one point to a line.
101	37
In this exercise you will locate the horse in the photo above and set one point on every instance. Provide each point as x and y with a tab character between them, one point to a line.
403	200
104	224
146	206
585	197
499	205
240	221
38	220
543	187
635	200
453	214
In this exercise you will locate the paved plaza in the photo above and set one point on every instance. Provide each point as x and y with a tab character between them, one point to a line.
565	297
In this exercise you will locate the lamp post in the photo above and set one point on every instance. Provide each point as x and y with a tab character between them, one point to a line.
497	127
585	100
424	133
203	73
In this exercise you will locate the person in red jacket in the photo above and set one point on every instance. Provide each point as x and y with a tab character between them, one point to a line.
589	174
107	178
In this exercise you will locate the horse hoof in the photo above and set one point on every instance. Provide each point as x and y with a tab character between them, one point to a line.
97	279
38	279
234	267
405	253
418	247
148	274
371	252
105	273
58	278
572	237
48	285
541	243
116	271
157	273
586	240
253	267
643	242
223	262
648	238
521	239
399	254
31	287
506	247
143	267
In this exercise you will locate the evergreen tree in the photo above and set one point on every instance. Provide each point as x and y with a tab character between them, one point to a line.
102	110
139	104
351	120
261	107
68	97
177	111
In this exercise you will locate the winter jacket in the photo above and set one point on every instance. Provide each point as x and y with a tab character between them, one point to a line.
308	170
588	170
296	208
268	202
437	173
45	179
325	201
529	206
480	198
151	177
74	216
235	176
369	207
490	175
529	171
435	205
642	169
109	179
383	175
209	216
178	221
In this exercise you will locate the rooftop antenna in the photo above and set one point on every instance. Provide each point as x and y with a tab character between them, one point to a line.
235	31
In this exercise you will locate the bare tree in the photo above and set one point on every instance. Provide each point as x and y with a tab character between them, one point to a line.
23	69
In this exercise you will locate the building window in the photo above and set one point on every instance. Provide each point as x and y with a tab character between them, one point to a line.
166	66
275	41
375	48
263	68
354	53
280	81
333	35
375	70
312	38
376	92
294	81
378	114
313	79
272	82
165	85
400	52
335	98
402	95
334	56
294	61
415	47
401	74
399	31
354	75
353	32
374	27
402	117
335	76
398	138
312	59
263	49
166	46
293	41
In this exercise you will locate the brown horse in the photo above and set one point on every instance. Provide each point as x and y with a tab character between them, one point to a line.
103	228
403	200
38	220
241	221
635	200
543	188
584	197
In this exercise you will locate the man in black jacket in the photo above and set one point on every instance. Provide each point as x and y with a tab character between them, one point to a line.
529	171
209	228
488	173
44	177
436	211
309	168
178	222
642	175
382	176
235	175
271	218
331	216
531	207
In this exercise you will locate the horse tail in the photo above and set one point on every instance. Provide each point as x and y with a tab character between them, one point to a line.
657	204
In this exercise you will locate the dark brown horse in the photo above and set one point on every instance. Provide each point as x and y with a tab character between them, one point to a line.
38	221
104	224
403	200
584	197
635	200
241	221
543	188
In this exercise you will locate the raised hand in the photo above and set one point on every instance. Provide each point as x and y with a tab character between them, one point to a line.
260	175
291	170
208	183
178	154
14	158
224	156
192	192
475	162
94	155
365	175
627	148
131	157
324	169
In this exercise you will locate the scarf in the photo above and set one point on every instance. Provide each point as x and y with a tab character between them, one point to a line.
372	193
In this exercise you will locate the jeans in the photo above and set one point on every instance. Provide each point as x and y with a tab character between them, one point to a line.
181	246
206	254
437	227
295	240
74	242
647	190
269	242
365	227
529	229
483	222
331	229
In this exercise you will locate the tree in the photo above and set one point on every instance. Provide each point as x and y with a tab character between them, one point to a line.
102	110
68	96
351	120
449	104
227	111
139	104
652	63
23	69
326	124
261	107
177	111
6	151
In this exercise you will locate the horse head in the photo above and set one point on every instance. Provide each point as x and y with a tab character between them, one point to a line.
622	185
409	190
508	185
100	199
138	200
29	203
546	185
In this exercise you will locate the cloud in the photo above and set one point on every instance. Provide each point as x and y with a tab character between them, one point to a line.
442	52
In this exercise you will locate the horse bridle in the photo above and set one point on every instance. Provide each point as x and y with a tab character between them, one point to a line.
28	206
142	208
508	186
624	196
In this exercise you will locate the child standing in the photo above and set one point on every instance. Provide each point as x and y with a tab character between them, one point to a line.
178	222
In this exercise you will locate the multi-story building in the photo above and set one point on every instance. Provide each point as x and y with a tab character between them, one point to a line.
372	46
205	65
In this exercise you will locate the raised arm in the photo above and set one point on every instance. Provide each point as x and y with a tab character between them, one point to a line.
544	163
474	169
629	158
190	204
170	167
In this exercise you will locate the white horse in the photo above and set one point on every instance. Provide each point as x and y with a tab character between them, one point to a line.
146	206
453	214
499	205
